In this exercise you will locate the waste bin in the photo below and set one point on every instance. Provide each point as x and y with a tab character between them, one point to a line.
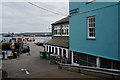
47	55
43	55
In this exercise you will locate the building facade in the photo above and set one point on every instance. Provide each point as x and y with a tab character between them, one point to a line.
59	44
94	33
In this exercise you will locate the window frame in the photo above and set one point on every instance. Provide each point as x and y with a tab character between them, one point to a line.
57	30
65	27
92	27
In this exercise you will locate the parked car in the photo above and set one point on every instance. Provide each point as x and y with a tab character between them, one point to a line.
39	42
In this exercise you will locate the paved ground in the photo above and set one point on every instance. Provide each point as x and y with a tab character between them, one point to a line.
38	68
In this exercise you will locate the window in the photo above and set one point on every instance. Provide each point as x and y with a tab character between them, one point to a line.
116	65
105	63
61	30
57	30
76	58
84	59
91	61
91	27
65	29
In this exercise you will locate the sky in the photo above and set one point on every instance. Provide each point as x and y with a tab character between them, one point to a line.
24	17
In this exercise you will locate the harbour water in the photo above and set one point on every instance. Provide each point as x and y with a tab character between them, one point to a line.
31	38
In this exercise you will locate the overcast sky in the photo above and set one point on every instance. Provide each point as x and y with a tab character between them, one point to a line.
24	17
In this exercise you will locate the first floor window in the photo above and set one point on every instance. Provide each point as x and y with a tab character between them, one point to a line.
65	29
91	27
57	30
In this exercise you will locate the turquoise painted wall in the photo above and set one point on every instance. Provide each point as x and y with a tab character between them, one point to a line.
106	43
119	30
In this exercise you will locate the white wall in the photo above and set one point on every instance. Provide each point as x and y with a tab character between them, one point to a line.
57	50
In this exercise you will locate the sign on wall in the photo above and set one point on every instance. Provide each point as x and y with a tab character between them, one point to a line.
74	11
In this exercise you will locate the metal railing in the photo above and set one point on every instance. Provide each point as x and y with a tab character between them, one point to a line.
112	72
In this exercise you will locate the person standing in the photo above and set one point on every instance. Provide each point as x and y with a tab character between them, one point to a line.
28	50
3	54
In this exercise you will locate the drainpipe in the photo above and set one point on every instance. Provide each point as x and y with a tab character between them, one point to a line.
72	58
98	62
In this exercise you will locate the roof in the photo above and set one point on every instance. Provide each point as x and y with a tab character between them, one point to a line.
66	19
59	42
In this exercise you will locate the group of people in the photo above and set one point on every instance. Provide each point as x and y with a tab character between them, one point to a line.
14	53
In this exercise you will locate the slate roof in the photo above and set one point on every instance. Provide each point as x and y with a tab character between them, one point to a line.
59	42
66	19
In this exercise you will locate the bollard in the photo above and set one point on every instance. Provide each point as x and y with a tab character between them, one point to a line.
79	71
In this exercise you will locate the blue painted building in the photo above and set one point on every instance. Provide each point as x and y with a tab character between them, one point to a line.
94	33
